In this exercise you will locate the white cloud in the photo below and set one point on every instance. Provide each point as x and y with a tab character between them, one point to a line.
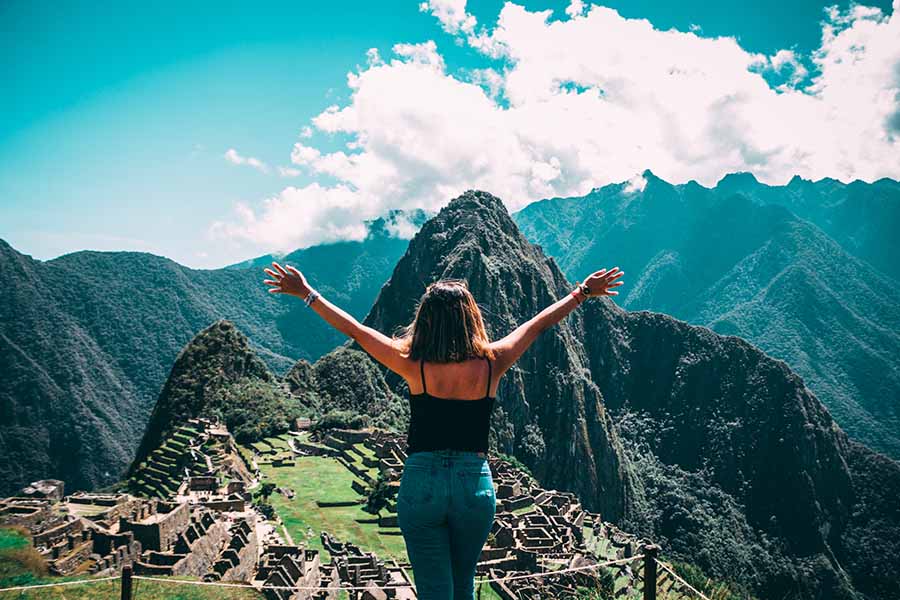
594	98
373	57
424	54
785	62
299	217
303	154
635	184
451	14
575	8
489	79
400	226
288	171
232	156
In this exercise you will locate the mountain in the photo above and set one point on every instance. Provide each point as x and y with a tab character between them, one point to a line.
738	260
550	414
695	439
87	341
862	217
217	363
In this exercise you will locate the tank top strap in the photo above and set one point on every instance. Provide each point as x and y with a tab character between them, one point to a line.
422	372
488	390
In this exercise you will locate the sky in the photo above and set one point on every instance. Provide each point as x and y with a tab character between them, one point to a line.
210	133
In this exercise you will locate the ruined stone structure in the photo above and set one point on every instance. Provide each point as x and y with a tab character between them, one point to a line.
205	530
209	528
357	568
284	566
70	532
535	529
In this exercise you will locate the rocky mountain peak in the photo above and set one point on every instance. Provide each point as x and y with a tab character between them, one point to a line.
559	427
736	182
217	356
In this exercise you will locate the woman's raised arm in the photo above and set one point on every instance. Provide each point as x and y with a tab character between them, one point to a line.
510	348
288	280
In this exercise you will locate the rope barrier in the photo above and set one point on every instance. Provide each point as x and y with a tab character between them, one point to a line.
402	585
46	585
311	588
678	577
610	563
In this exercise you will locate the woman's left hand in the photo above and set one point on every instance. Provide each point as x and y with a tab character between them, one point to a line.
287	280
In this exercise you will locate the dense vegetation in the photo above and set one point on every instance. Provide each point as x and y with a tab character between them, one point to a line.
87	341
217	375
806	271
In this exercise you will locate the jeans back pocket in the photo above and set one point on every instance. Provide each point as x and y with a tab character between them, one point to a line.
417	486
477	487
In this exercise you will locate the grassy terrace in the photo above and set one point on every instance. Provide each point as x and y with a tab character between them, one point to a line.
161	473
324	478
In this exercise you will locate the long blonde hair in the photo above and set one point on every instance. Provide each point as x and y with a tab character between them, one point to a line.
447	327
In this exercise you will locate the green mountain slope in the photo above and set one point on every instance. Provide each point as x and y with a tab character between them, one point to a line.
87	341
746	265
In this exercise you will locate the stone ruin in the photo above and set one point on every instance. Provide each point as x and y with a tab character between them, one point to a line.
282	567
357	568
535	530
70	532
209	528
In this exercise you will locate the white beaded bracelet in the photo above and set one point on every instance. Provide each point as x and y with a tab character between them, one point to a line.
311	297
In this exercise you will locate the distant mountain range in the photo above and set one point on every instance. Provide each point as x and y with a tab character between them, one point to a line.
807	272
696	440
88	339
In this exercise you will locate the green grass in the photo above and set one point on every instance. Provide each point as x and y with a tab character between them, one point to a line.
10	539
324	478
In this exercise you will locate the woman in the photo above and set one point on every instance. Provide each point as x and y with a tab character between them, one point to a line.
446	503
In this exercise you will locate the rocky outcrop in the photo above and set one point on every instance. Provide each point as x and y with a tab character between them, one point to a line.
549	412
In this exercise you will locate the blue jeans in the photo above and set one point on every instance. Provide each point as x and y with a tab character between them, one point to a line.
445	509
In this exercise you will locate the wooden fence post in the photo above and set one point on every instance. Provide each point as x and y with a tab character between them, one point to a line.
650	552
126	583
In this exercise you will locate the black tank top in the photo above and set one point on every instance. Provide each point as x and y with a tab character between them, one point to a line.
446	423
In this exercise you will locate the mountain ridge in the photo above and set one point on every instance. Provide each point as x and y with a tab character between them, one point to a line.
708	256
88	339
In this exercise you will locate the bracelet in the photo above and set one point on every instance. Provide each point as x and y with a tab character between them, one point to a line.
575	293
311	297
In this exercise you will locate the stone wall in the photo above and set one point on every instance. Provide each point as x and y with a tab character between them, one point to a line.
160	530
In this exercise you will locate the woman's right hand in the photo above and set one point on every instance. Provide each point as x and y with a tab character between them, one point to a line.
601	282
287	280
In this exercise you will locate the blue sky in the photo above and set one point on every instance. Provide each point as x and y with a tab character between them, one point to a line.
117	116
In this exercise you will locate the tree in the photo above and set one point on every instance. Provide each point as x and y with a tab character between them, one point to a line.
266	490
379	494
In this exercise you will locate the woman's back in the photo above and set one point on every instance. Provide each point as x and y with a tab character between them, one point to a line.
453	418
467	380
